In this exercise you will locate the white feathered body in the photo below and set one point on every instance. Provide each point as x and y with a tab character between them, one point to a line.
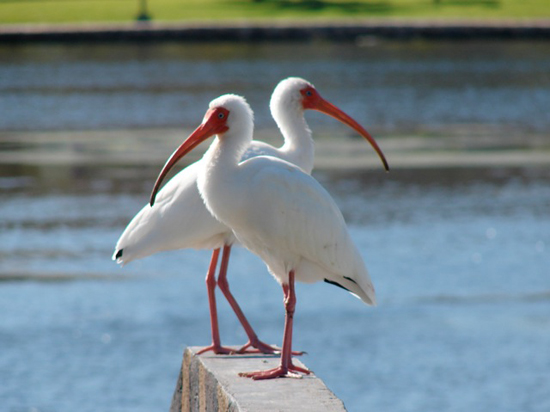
284	216
179	219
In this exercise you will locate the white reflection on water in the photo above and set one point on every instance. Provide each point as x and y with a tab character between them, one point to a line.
459	257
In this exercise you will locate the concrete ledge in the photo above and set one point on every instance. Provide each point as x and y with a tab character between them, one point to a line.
285	30
209	383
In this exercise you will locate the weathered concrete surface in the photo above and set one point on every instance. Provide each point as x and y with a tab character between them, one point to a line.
282	30
209	383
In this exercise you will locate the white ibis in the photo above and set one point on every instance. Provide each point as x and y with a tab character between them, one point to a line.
275	210
178	219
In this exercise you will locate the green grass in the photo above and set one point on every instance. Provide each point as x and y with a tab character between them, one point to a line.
68	11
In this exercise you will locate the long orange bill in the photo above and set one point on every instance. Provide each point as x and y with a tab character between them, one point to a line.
325	107
209	127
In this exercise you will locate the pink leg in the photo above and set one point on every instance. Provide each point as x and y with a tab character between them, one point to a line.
286	367
216	346
224	287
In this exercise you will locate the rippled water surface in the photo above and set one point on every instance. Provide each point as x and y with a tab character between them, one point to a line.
389	85
460	259
460	256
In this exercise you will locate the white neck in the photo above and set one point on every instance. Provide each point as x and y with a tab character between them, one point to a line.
298	147
218	179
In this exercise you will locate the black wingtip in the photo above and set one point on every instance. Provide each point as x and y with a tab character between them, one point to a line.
119	254
350	279
336	284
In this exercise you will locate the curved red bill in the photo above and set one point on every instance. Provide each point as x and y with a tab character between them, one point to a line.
214	123
325	107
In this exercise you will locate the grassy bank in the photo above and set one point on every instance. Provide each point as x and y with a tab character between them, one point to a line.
62	11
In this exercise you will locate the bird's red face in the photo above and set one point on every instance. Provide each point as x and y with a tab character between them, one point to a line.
310	97
214	123
312	100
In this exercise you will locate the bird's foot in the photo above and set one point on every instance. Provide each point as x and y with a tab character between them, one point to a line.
278	372
262	347
217	349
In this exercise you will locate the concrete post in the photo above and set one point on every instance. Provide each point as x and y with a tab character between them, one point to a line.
209	383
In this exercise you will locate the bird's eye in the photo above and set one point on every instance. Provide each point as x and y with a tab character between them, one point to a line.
309	93
221	115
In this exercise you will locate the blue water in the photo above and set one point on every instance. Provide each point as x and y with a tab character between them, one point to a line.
460	259
389	85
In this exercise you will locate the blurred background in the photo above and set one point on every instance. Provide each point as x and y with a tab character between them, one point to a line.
456	236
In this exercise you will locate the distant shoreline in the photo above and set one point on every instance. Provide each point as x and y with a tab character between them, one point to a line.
278	30
449	149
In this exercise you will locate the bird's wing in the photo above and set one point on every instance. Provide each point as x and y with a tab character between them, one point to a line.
259	148
178	220
291	210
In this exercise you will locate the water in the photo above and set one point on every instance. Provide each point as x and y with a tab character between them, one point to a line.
460	261
460	256
60	87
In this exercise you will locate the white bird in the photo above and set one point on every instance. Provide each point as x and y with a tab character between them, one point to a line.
179	219
275	210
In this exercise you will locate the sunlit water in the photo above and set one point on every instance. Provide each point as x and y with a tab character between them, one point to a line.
460	257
